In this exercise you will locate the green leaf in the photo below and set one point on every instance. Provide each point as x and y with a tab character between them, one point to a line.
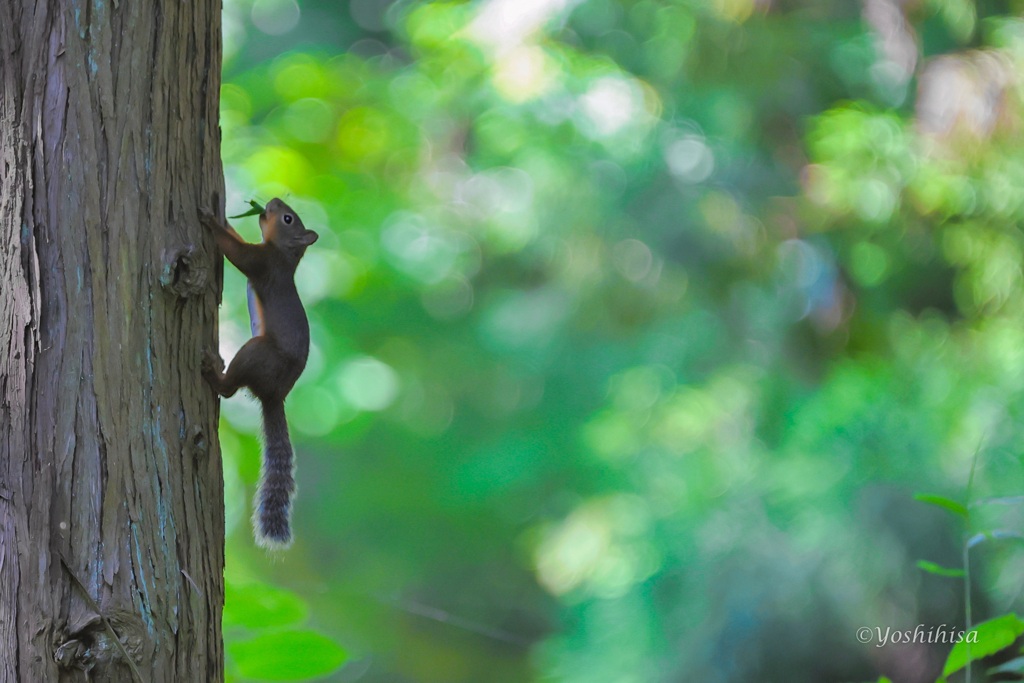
286	656
943	502
983	640
939	570
1014	666
258	605
256	209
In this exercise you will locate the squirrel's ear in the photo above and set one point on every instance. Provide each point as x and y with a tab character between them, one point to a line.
307	238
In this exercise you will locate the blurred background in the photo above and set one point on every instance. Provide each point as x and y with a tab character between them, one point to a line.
637	327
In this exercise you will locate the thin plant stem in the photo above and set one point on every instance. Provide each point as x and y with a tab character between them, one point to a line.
967	558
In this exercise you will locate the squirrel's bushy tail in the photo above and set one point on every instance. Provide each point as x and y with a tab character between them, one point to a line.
277	483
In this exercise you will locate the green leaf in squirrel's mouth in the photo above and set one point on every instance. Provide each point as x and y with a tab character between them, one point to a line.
256	209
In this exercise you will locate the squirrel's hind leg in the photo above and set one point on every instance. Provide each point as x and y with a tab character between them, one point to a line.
255	366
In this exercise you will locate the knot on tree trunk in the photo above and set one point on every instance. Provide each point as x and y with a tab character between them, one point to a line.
182	274
92	647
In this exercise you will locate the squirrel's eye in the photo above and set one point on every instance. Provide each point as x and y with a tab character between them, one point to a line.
287	219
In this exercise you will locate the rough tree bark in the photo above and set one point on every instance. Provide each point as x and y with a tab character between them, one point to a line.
111	492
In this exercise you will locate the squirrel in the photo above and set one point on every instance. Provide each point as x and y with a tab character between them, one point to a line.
269	363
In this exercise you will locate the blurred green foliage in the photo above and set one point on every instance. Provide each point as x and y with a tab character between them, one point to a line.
636	327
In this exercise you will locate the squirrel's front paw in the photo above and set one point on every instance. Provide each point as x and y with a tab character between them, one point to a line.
209	219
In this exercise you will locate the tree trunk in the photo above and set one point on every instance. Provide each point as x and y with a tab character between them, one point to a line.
111	490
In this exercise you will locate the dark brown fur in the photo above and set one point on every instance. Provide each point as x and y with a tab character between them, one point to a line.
270	363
